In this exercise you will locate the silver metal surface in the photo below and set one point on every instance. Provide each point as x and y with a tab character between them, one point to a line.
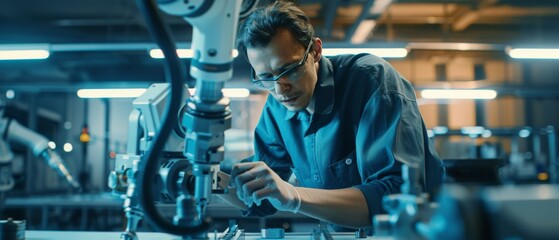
59	235
85	202
217	208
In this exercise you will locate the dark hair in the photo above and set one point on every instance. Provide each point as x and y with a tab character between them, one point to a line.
258	29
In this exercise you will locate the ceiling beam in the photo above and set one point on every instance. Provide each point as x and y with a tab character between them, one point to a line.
465	20
526	3
366	23
501	11
329	13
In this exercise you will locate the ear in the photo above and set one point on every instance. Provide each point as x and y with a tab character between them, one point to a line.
317	49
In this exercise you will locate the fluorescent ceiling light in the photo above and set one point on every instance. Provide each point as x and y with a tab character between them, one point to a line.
24	51
455	46
136	92
524	133
229	92
183	53
381	52
440	130
23	54
458	94
534	53
472	130
236	92
111	93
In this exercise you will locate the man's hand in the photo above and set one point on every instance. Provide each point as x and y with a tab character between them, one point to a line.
255	181
230	195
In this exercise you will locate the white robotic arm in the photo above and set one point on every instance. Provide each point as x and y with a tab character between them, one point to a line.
16	133
13	132
207	114
205	118
214	26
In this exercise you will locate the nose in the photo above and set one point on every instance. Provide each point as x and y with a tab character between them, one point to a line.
282	87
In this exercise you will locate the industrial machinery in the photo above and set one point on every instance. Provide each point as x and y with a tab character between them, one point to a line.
528	154
186	155
13	132
405	210
495	212
144	122
468	212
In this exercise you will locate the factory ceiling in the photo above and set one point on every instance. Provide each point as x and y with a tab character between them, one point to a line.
106	42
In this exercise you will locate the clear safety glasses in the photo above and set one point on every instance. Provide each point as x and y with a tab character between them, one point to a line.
293	73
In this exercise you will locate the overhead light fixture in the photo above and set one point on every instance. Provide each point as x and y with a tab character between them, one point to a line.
486	133
111	93
524	133
24	51
458	94
381	52
236	92
136	92
440	130
456	46
533	53
473	130
23	54
229	92
182	53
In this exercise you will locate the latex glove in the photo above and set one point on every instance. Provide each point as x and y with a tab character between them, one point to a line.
255	181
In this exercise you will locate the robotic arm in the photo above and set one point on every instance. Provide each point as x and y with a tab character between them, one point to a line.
207	113
205	117
13	132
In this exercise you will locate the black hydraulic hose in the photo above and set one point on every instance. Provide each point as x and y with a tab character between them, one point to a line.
175	73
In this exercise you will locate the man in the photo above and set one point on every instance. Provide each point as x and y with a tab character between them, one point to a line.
344	126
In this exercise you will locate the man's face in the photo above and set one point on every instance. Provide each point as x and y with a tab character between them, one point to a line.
282	53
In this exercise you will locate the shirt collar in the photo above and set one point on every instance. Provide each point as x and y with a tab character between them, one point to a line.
323	92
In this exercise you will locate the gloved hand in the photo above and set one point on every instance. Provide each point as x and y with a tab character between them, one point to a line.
255	181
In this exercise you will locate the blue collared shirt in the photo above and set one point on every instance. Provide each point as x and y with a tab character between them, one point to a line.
365	126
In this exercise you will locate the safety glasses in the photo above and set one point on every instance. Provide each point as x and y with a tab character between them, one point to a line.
293	73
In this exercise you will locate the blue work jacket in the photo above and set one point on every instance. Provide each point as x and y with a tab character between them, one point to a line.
365	126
